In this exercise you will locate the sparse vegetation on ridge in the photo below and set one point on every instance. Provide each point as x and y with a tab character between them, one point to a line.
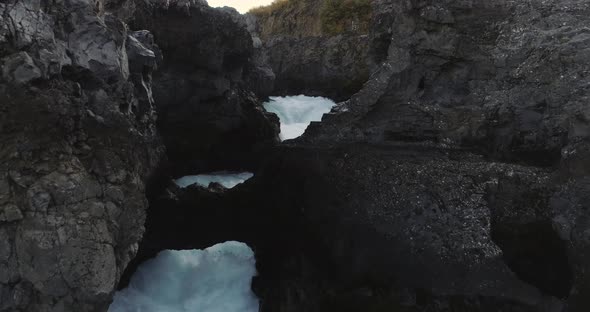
335	16
338	16
267	9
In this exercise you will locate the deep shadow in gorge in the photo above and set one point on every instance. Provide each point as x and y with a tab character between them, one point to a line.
205	90
310	258
209	118
537	255
191	218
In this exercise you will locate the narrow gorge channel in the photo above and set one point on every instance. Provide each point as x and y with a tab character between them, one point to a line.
217	278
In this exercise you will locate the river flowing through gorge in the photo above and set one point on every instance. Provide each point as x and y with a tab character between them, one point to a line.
218	278
297	112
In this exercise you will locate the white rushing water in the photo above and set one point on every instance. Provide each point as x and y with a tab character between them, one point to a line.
227	179
216	279
297	112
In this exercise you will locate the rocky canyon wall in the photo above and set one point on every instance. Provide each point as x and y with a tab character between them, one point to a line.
206	88
305	57
455	178
78	145
80	134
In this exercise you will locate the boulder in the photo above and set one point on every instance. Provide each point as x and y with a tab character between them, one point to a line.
20	68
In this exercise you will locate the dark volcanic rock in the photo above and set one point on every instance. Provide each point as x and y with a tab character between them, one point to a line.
261	77
570	206
410	228
469	189
208	115
503	77
78	138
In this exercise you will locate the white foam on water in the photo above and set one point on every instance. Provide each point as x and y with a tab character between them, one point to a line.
297	112
216	279
227	179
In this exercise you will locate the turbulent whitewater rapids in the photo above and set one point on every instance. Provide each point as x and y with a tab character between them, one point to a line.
226	179
297	112
216	279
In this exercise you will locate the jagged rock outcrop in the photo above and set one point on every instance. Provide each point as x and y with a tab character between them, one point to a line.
455	180
78	145
209	116
79	139
510	84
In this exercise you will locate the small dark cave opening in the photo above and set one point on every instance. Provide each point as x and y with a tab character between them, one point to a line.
537	255
191	218
197	218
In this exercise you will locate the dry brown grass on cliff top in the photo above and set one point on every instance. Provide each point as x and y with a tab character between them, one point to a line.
267	9
338	16
334	16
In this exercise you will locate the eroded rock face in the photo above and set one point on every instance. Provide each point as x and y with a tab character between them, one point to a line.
473	148
331	66
506	78
77	130
208	115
